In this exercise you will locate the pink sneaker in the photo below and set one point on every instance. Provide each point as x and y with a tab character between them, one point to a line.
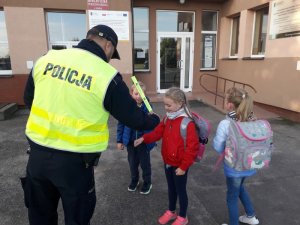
168	215
180	221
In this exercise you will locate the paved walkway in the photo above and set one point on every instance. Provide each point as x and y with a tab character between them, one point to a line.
275	192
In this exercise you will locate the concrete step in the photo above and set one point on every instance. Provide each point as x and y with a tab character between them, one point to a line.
7	110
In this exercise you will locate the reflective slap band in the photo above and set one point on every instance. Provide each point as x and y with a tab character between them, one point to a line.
139	89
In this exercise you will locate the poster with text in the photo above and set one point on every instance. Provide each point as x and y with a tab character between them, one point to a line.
97	4
117	20
285	18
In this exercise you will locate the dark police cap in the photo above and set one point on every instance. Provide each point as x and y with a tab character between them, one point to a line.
107	33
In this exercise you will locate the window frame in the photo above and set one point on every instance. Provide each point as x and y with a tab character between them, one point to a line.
5	43
141	32
67	44
237	38
216	41
253	33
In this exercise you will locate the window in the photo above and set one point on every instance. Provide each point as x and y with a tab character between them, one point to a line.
234	47
260	31
5	65
141	39
65	29
209	38
169	21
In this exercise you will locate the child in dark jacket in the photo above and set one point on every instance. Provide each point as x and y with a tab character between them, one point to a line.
137	156
177	157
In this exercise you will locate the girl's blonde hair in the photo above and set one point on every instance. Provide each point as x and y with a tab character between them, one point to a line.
242	102
178	96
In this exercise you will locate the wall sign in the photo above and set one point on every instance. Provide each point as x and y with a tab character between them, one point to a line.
117	20
97	4
285	18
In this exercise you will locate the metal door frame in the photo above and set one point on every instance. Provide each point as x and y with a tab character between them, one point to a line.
184	36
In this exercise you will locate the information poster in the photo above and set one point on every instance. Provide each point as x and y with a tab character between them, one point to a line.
97	4
208	52
117	20
285	18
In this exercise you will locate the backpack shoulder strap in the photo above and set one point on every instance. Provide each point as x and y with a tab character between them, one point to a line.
183	126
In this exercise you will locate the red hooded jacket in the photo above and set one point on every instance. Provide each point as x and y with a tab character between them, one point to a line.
172	150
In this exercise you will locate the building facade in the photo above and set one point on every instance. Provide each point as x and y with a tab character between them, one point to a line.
169	43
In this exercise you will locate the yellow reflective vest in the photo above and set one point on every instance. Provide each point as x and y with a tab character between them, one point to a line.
67	111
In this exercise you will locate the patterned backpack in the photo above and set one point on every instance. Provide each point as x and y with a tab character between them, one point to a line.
249	145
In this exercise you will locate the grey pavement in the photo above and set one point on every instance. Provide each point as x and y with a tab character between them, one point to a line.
275	191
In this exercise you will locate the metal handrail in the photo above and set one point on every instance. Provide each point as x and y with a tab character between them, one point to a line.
215	93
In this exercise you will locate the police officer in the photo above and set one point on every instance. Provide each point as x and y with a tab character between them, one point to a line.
71	93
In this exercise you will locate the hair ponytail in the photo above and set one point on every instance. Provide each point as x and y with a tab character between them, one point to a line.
242	102
245	109
188	111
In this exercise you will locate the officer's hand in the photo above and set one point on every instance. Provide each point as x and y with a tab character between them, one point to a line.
155	116
153	113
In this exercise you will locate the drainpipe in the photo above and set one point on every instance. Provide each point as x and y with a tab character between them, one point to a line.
132	35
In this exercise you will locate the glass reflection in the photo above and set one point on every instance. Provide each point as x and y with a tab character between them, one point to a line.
170	62
66	26
169	21
209	20
187	63
5	63
141	38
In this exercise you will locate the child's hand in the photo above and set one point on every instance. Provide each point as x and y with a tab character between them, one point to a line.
120	146
138	141
179	172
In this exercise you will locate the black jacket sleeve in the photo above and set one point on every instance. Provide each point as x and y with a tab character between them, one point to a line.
122	106
29	91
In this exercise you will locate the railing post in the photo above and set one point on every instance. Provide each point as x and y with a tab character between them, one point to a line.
215	93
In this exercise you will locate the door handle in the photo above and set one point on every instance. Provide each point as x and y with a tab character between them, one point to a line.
180	64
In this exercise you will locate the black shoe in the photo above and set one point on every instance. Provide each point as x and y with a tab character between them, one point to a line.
133	185
146	189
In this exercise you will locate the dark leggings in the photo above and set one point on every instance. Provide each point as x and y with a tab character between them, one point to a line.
177	188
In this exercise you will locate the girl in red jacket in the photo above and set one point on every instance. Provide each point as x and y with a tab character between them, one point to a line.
177	157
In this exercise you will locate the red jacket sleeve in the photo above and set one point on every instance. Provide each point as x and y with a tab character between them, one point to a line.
192	147
156	134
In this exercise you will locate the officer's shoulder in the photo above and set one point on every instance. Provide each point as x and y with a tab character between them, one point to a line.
117	79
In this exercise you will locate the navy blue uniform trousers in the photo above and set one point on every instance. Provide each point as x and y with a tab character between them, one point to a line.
52	175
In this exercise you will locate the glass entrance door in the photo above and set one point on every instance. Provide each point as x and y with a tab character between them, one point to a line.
174	62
